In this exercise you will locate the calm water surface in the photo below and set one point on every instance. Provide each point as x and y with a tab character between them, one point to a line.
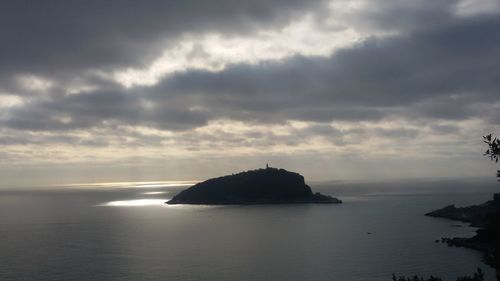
125	232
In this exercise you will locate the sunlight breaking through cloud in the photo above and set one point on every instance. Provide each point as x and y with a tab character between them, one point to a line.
213	52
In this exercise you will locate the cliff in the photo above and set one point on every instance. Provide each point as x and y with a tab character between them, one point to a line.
262	186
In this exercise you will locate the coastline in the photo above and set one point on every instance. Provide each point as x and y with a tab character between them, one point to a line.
486	217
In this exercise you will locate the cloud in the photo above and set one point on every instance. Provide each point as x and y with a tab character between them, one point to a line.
238	78
445	129
444	73
60	37
425	72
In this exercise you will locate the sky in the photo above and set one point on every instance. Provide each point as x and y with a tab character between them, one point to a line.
124	90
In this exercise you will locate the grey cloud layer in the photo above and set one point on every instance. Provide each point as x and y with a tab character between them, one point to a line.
447	72
424	71
411	98
56	37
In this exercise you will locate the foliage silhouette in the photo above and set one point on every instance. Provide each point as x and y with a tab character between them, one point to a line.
493	151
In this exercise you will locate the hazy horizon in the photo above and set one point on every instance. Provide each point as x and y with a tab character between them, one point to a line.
86	182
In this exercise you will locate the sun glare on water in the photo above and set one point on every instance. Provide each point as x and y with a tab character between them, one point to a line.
136	203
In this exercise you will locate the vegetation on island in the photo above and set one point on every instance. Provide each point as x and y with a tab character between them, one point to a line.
261	186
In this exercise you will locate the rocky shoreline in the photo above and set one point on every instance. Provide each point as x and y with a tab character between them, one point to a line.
486	217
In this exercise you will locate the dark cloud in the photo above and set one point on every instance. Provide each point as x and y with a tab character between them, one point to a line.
399	133
68	37
93	109
403	16
447	70
439	73
445	129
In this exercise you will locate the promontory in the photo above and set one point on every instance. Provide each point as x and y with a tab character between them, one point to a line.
261	186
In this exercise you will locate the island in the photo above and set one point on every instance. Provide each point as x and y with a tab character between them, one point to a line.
261	186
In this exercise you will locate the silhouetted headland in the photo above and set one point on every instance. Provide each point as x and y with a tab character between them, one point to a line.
485	216
262	186
476	215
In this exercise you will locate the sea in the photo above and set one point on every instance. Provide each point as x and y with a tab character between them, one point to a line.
124	231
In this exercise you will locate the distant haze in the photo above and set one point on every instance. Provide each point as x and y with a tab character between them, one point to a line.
186	90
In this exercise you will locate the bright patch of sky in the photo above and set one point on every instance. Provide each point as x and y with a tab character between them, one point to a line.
213	52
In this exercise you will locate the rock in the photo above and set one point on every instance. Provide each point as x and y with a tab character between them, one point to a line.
262	186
